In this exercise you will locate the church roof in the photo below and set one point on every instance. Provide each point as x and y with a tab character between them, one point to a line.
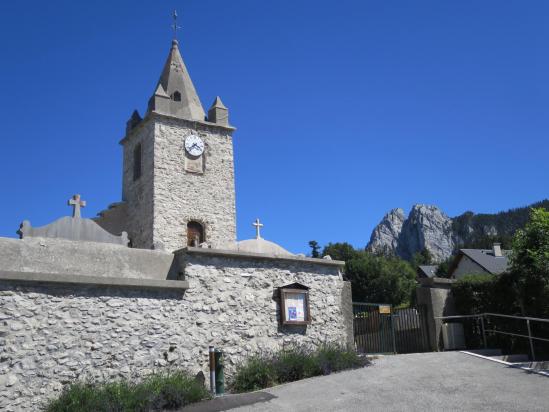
176	85
261	246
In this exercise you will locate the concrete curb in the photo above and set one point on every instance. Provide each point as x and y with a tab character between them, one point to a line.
512	365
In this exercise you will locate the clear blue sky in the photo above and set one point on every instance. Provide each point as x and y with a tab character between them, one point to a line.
344	109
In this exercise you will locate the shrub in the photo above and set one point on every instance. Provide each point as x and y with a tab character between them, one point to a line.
334	358
256	373
293	364
479	293
157	392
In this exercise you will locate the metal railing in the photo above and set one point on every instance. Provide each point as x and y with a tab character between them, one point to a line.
483	317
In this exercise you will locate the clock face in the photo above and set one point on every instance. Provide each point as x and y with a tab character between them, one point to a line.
194	145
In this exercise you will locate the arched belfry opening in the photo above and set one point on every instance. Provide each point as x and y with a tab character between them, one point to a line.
195	233
176	96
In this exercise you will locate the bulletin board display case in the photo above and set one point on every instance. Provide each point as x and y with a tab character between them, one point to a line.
294	305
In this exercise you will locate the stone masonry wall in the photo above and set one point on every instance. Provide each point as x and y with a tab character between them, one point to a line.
181	196
53	335
138	194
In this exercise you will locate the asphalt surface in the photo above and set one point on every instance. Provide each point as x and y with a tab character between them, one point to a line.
446	381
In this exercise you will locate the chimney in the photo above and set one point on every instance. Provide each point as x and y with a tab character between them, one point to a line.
496	248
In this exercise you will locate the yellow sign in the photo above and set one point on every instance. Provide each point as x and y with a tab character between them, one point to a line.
385	309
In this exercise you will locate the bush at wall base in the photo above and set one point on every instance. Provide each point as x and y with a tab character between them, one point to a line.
157	392
295	363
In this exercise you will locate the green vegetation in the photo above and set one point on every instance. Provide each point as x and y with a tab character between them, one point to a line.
484	226
315	249
443	268
530	264
379	278
525	288
422	258
341	251
290	365
485	293
155	393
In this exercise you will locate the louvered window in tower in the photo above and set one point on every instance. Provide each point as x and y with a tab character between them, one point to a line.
176	96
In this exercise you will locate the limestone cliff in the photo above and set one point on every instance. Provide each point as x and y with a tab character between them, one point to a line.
428	227
385	236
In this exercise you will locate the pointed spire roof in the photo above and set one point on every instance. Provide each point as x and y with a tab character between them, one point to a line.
176	85
218	104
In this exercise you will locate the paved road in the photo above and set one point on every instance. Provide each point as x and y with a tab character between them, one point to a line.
449	381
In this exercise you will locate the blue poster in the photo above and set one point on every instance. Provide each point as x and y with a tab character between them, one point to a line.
292	313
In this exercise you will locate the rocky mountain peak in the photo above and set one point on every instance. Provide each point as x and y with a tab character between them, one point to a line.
426	227
385	235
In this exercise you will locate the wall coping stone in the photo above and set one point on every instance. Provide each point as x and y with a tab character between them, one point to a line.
36	277
249	255
436	281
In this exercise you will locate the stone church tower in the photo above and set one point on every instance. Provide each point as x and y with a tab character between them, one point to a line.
178	169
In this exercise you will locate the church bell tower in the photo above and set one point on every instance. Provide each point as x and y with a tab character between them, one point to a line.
178	168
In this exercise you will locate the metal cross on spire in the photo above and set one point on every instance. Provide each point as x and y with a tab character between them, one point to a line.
175	27
258	227
76	204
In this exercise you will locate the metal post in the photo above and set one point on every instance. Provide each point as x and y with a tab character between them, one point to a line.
530	339
212	370
219	373
393	331
483	331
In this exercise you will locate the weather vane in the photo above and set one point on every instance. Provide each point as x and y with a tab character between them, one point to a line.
175	27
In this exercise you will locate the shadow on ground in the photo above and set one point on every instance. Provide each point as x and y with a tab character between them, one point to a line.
230	401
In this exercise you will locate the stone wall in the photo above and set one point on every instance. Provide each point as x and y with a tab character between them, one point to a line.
138	194
181	196
66	257
52	335
434	296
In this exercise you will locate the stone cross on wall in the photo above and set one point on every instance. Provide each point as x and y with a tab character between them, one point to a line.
76	204
258	227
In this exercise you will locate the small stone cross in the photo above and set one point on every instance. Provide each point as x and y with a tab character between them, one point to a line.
258	227
76	204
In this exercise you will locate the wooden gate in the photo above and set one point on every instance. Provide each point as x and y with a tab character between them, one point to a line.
378	328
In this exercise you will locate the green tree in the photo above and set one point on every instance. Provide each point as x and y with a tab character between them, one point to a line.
444	267
315	248
341	251
380	279
422	258
530	264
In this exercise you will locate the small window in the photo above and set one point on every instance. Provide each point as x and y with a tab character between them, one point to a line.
195	234
176	96
137	162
